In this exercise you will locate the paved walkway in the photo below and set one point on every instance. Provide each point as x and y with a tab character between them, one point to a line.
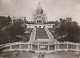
33	34
52	55
50	35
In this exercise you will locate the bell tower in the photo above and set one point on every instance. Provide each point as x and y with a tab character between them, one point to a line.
39	16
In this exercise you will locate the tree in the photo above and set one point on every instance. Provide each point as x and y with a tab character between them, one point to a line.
4	21
4	24
17	30
68	31
56	23
11	32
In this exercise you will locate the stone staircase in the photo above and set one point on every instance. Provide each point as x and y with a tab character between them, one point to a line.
41	33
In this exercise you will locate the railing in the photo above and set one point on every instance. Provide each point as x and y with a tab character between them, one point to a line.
59	46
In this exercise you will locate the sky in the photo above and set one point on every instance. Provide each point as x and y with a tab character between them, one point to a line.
54	9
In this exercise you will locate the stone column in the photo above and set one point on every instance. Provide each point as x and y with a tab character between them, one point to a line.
58	46
67	46
10	47
38	47
55	47
48	48
77	47
31	47
19	46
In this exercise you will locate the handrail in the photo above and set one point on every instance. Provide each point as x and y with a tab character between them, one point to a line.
69	46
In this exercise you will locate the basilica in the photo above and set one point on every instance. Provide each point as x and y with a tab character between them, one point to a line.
41	37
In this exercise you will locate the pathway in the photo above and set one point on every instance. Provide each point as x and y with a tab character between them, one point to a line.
50	35
33	34
52	55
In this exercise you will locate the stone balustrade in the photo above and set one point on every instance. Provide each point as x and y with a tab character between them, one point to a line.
59	46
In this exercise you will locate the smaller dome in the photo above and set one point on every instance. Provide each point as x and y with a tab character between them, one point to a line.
39	7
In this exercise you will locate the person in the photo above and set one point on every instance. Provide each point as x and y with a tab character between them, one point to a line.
39	54
42	56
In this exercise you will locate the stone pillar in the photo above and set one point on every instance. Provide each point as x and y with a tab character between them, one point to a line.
55	47
38	47
48	48
67	46
10	47
31	47
77	47
19	46
58	46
